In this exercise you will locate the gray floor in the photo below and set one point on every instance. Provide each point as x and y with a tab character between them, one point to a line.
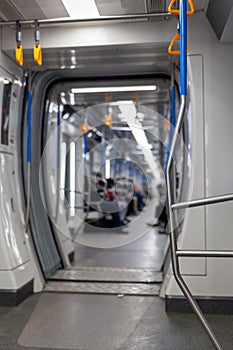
91	236
72	321
87	322
145	252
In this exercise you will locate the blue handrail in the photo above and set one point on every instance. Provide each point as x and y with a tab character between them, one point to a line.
29	128
102	153
183	47
113	162
58	138
85	140
173	108
120	161
172	123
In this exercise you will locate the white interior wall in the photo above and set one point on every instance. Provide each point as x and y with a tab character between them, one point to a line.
18	264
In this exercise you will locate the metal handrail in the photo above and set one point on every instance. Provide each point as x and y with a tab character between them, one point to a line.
174	250
67	20
205	253
203	201
170	179
69	190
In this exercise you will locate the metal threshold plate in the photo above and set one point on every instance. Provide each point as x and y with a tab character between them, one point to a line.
103	288
105	274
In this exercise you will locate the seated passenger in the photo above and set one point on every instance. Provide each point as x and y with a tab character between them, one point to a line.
110	204
110	194
137	202
119	207
139	196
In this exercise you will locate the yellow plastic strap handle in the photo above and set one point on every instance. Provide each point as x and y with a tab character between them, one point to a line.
108	120
19	54
170	48
177	12
38	54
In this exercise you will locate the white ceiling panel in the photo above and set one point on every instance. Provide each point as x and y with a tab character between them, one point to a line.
53	9
120	7
38	9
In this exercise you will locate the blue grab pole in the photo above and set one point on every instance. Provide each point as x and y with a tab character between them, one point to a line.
85	140
120	165
58	138
126	168
173	107
183	47
29	128
102	154
113	162
172	122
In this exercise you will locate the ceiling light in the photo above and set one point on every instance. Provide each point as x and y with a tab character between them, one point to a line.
66	116
81	9
113	89
72	99
140	137
117	103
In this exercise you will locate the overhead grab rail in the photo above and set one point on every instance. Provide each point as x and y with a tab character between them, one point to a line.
51	21
175	253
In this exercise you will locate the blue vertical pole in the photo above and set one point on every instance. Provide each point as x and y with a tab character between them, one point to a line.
29	128
172	121
125	168
120	166
58	157
29	156
130	169
183	47
85	140
173	109
58	138
113	164
102	154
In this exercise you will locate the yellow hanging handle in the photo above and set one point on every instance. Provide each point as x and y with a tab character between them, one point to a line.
177	12
108	120
170	48
38	54
19	54
83	128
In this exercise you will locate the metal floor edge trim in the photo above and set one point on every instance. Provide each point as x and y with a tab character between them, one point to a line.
103	274
103	288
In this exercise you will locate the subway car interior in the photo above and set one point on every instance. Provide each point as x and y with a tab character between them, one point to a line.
116	189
